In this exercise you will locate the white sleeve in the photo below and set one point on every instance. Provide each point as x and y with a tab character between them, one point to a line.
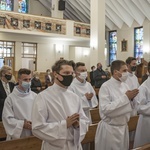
113	108
53	132
85	104
12	125
143	102
94	98
84	123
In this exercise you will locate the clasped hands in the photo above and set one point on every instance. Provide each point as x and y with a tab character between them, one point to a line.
132	93
27	125
73	120
89	96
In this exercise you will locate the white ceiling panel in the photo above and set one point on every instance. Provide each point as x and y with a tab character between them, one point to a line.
118	12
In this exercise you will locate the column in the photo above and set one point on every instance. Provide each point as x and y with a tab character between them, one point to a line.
55	12
97	39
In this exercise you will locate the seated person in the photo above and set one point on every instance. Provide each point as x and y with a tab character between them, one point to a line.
36	85
18	106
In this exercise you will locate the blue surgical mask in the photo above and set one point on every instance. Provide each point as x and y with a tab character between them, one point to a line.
26	85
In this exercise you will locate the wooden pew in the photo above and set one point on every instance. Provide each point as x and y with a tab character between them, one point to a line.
144	147
132	124
29	143
90	136
95	115
2	131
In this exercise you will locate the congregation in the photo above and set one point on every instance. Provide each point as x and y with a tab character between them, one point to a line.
58	111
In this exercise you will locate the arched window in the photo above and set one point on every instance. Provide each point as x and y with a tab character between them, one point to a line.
138	43
6	5
112	46
23	6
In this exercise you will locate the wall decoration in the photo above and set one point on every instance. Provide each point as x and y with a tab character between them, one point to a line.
2	21
58	27
26	23
14	22
124	45
31	23
82	30
37	25
87	31
78	30
48	26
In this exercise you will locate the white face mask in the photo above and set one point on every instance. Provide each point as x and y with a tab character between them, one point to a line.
83	75
124	77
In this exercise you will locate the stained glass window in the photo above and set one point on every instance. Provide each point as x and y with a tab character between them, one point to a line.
23	6
138	43
112	46
6	5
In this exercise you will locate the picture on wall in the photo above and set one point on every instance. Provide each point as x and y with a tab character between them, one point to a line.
87	31
2	21
78	30
58	27
48	26
14	22
124	45
37	25
26	23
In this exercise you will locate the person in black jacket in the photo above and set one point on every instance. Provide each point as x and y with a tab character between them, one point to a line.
99	76
6	87
91	75
36	85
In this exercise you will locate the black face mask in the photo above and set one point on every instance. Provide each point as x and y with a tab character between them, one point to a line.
133	68
67	79
8	77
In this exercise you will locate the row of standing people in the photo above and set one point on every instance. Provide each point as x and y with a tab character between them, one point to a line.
63	78
119	99
57	115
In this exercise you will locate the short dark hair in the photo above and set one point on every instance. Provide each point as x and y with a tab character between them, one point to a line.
116	65
78	64
148	67
92	67
129	60
23	71
58	64
72	64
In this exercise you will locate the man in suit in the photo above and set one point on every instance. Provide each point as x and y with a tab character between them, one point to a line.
6	87
99	76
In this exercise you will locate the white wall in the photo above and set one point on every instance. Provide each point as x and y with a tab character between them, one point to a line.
46	52
80	54
36	8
